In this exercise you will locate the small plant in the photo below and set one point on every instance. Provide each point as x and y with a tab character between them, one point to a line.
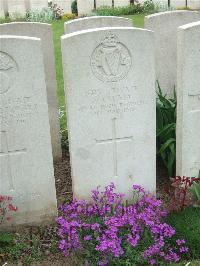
74	7
57	11
149	6
6	207
179	193
106	231
166	130
68	16
44	15
118	11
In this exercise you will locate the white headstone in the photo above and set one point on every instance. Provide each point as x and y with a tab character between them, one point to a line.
38	4
165	26
85	6
44	32
2	14
96	22
64	4
110	94
188	98
16	8
26	163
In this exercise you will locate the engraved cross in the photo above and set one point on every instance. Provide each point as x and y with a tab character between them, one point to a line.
114	140
195	95
8	153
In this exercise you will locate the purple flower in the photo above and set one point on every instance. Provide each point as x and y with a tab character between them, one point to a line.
87	238
183	249
110	225
180	242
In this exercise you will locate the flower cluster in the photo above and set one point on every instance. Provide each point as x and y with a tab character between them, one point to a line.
109	223
179	194
6	207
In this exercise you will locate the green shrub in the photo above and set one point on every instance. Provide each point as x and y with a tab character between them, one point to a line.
74	7
44	15
118	11
166	130
148	6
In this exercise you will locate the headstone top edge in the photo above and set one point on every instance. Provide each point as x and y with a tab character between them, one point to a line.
94	17
25	23
171	12
82	32
190	25
2	37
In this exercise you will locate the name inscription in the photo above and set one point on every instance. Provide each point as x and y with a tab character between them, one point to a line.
115	100
16	109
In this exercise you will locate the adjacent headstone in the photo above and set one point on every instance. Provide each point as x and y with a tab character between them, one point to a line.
64	4
96	22
85	7
188	98
110	94
16	8
26	165
165	26
44	32
38	4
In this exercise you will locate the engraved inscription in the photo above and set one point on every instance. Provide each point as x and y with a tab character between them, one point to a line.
5	151
114	140
112	100
194	101
111	60
16	109
7	64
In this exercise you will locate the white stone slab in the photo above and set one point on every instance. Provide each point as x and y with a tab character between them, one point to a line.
85	7
16	8
38	4
65	5
26	165
96	22
110	94
165	26
188	97
44	32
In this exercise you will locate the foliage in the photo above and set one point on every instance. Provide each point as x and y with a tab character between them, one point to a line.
107	230
149	6
30	245
44	15
166	130
68	16
57	11
195	190
117	11
187	224
8	19
74	7
6	207
179	193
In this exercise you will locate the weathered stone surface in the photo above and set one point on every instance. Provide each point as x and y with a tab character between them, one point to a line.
26	165
64	4
44	32
38	4
188	98
96	22
110	94
16	7
165	26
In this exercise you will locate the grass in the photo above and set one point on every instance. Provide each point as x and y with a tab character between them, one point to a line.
187	225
